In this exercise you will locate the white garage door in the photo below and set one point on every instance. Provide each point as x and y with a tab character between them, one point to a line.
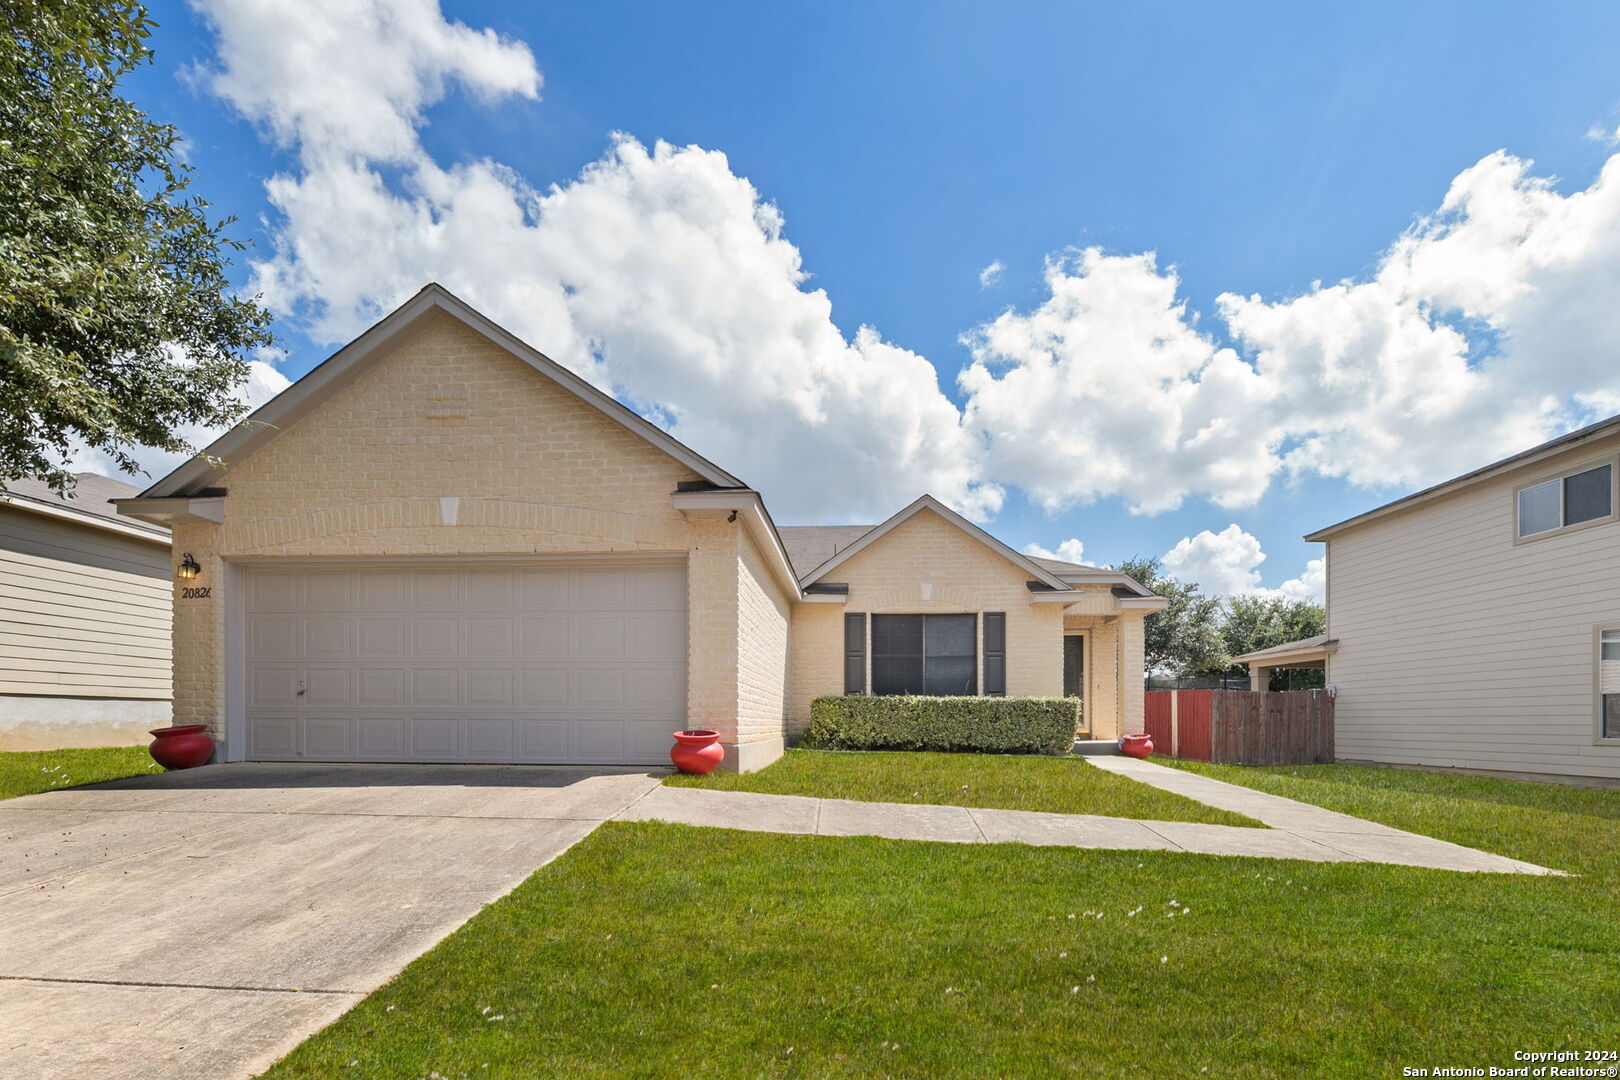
542	663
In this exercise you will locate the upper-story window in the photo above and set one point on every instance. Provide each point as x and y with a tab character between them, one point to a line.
1568	501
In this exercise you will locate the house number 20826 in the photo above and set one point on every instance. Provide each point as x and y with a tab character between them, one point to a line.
200	592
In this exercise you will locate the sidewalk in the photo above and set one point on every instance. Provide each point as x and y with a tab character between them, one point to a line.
1297	830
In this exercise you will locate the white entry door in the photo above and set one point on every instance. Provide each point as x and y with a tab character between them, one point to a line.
579	663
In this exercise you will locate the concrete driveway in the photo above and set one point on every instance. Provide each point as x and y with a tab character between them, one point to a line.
201	924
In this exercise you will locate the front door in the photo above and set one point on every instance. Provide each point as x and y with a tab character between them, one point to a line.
1074	666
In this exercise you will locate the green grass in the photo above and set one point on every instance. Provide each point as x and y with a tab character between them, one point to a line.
655	950
1058	785
25	772
1548	824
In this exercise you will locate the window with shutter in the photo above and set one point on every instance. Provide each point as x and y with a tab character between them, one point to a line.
854	653
995	653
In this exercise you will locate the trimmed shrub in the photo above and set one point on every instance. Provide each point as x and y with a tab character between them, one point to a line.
1007	725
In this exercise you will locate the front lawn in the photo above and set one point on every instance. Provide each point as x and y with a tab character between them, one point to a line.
655	950
1547	824
25	772
1058	785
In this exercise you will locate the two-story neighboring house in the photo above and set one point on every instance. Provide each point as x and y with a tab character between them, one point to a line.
1477	623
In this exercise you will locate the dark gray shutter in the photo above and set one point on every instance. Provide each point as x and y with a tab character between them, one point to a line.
995	653
854	653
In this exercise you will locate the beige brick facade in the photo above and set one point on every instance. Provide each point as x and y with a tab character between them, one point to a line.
535	470
445	444
926	553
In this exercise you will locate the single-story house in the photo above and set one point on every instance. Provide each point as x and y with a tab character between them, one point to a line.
441	546
84	630
1476	623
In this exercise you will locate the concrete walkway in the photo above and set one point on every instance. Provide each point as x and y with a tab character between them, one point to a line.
1297	830
203	923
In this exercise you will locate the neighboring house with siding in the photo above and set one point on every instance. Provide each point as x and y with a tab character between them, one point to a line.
439	545
1477	623
84	621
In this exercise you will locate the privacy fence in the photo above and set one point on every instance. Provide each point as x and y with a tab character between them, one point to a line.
1241	727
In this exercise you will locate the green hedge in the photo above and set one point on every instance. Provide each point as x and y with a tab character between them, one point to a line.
1007	725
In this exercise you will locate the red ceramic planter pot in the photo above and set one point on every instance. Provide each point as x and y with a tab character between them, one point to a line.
1138	746
697	751
184	746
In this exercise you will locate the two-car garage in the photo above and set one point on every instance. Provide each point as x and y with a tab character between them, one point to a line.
559	661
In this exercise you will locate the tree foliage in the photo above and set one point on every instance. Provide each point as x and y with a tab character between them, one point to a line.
1198	634
1185	637
117	325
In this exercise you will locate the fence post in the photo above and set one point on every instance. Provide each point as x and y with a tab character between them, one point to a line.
1175	723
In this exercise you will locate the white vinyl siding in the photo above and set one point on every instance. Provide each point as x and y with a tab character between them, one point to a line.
1460	647
84	612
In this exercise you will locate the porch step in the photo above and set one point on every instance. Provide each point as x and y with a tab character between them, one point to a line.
1095	746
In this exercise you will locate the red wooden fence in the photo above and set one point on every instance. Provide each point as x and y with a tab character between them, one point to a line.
1241	727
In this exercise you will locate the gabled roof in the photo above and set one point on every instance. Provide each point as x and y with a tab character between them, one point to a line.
808	546
298	399
928	502
90	504
1547	449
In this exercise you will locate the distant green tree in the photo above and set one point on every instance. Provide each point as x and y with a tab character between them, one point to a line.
1250	623
1184	638
117	324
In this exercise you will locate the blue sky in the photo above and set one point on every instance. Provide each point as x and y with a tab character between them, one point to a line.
1255	150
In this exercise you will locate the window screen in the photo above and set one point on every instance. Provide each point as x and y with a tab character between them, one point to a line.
1609	682
1585	496
1538	508
924	654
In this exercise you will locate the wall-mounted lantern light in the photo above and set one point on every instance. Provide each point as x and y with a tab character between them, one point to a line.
188	568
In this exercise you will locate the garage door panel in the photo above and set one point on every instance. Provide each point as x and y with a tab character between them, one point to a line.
435	637
380	590
329	590
546	637
491	589
545	588
544	686
333	638
486	637
380	638
328	736
651	686
380	687
599	637
271	590
435	739
325	687
658	636
380	738
541	663
599	588
274	737
599	740
435	687
658	588
275	637
270	687
492	739
543	740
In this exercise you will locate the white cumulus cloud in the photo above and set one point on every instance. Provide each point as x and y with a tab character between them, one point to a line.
1227	563
1070	550
990	276
658	272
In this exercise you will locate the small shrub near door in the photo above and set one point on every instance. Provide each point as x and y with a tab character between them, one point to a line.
1011	725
